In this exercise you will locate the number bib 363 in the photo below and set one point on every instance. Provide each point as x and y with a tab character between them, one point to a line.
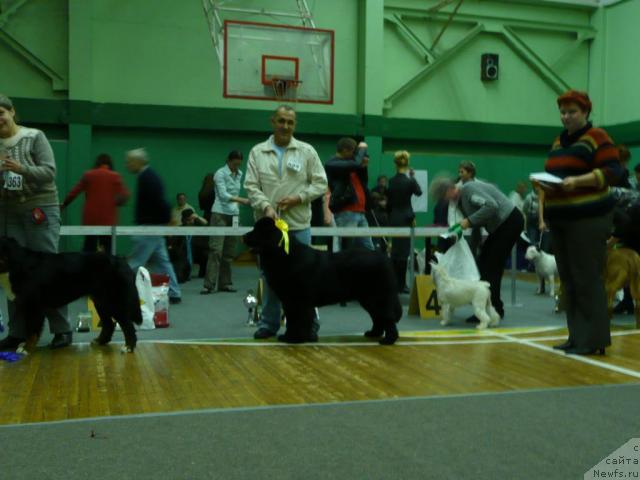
12	181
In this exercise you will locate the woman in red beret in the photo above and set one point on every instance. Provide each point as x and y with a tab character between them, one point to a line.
579	212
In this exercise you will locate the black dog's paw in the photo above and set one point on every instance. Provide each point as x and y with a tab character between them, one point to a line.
100	341
288	338
374	333
390	338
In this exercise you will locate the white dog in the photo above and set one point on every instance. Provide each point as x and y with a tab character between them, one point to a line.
546	268
453	292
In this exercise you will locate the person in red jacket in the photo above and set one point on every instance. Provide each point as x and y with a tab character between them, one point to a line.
104	192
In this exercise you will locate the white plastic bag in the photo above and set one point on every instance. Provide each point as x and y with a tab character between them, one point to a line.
419	261
161	305
145	292
458	261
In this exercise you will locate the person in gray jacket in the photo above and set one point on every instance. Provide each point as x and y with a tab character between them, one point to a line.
29	210
483	205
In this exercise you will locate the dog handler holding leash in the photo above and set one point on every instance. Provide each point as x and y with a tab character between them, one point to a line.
29	209
284	175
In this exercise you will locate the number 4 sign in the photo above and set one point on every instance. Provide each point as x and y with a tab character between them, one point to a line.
424	298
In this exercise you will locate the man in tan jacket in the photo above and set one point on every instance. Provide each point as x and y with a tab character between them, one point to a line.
284	176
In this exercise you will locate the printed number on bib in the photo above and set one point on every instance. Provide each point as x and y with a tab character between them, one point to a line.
12	181
294	165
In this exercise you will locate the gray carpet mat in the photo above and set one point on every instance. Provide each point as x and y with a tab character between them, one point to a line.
550	434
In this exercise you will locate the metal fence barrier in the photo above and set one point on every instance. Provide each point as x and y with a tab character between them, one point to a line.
336	232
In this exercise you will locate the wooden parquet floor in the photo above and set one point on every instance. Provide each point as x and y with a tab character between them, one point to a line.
84	381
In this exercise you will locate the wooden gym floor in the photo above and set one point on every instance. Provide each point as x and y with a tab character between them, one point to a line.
84	381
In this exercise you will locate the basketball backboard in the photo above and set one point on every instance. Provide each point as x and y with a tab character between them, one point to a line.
278	62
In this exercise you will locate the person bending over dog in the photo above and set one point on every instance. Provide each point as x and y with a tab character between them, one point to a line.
304	278
483	205
283	174
29	210
62	278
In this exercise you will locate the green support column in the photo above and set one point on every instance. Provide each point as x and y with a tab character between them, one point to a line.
80	64
79	157
371	86
376	161
79	160
597	65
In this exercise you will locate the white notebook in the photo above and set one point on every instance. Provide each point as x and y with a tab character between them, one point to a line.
545	178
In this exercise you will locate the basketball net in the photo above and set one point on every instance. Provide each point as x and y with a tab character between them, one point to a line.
285	89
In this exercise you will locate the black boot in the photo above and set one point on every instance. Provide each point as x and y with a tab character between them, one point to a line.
61	340
10	343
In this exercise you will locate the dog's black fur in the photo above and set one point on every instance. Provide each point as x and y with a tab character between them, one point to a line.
308	278
42	281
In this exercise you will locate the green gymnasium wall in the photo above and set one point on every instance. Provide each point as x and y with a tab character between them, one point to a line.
615	69
107	76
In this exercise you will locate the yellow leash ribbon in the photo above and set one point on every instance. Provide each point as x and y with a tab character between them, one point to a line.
284	228
5	284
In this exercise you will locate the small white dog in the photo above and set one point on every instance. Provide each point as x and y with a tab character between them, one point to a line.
453	292
546	268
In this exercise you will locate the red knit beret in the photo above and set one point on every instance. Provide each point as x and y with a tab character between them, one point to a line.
576	96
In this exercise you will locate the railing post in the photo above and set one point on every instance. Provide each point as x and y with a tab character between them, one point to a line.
412	242
513	275
113	239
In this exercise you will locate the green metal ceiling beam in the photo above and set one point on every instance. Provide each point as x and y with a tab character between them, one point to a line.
411	37
493	22
432	67
571	49
58	81
534	61
579	4
4	18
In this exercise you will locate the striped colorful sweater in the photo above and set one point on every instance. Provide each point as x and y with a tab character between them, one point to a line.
587	150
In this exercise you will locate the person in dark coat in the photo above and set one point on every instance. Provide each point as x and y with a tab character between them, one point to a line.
402	187
151	208
377	215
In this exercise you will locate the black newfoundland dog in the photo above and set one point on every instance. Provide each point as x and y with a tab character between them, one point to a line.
42	281
306	278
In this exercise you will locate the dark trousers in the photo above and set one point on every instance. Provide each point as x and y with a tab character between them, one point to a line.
400	250
494	253
580	250
92	242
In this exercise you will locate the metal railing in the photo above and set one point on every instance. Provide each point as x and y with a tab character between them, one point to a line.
335	232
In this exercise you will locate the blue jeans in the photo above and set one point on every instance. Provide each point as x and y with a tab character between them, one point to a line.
153	250
271	306
354	219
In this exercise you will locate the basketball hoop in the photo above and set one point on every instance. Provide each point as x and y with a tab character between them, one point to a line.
285	88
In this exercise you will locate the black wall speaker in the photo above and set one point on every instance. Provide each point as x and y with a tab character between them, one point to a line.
489	66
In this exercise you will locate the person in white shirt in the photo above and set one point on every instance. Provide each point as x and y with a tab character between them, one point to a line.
227	203
284	175
518	195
